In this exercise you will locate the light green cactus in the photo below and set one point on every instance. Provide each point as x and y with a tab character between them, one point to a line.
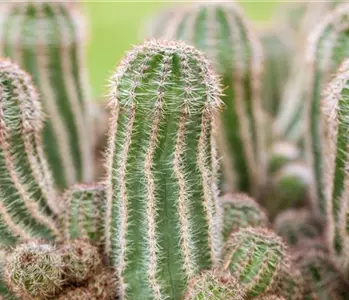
47	40
162	216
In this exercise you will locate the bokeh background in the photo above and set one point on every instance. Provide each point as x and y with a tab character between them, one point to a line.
115	26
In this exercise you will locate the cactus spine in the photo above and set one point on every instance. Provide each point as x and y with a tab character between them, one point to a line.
328	47
255	257
28	201
222	32
162	213
45	38
84	207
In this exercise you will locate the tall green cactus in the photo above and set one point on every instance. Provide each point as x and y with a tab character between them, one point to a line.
84	208
335	114
162	224
327	48
222	32
256	257
28	202
46	39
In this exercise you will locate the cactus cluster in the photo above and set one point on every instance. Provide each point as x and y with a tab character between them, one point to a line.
159	220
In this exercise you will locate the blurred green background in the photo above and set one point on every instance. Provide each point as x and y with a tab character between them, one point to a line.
115	26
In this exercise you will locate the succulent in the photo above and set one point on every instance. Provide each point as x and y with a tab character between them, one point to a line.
47	40
33	270
255	257
162	211
223	33
280	154
241	211
271	297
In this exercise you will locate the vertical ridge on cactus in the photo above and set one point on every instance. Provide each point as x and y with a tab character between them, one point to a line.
28	201
162	212
328	46
84	209
223	33
46	39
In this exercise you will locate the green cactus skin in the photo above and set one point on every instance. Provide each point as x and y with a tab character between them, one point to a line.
297	225
46	39
327	48
255	256
222	32
33	270
162	216
213	285
28	201
322	280
335	110
241	211
84	209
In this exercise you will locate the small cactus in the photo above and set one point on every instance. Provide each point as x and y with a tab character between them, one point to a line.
223	33
84	208
241	211
47	40
33	270
290	286
103	285
28	203
162	215
326	50
255	257
80	260
297	225
271	297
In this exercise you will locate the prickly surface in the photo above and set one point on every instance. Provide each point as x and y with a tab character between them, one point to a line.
47	40
162	224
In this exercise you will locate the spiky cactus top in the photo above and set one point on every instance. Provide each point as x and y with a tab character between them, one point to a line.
328	46
46	39
27	198
161	217
222	32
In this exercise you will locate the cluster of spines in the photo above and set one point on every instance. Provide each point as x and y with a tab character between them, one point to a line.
84	209
46	39
327	48
236	54
162	210
28	205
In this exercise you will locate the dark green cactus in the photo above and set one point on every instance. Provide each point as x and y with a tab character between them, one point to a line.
28	202
84	209
162	224
46	39
327	48
223	33
255	257
241	211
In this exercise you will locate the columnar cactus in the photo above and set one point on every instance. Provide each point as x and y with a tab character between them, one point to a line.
222	32
327	48
84	208
162	224
241	211
212	285
255	257
28	201
297	225
46	39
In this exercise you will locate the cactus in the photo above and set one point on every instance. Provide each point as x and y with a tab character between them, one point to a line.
80	260
241	211
46	39
162	215
28	201
327	48
335	107
212	285
255	257
271	297
297	225
222	32
33	270
84	207
290	287
282	153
